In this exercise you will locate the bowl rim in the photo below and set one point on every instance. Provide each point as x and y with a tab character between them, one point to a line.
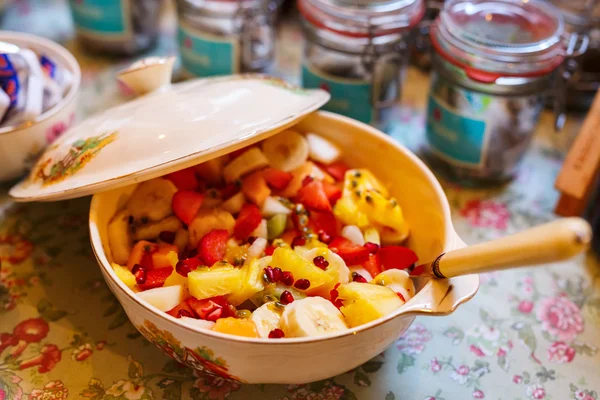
451	241
71	64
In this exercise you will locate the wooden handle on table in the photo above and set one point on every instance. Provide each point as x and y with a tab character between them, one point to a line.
554	241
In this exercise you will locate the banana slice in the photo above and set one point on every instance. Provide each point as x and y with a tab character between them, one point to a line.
312	316
266	318
247	162
152	200
321	149
182	238
119	237
286	151
397	280
257	248
153	229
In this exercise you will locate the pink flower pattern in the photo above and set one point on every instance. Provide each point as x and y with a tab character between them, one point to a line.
561	353
560	317
486	214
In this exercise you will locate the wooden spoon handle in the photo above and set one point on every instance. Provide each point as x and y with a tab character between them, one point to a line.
554	241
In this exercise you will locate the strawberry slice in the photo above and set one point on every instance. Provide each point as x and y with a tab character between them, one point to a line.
323	221
397	257
337	170
332	192
276	178
142	254
210	309
270	250
182	310
184	179
156	278
351	253
247	221
313	196
213	246
186	204
373	265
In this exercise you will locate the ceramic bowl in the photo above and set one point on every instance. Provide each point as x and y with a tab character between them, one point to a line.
245	359
21	145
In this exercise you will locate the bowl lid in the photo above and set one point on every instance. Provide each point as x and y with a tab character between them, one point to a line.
515	37
164	131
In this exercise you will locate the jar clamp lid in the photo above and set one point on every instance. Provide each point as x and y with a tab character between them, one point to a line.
169	128
494	38
363	18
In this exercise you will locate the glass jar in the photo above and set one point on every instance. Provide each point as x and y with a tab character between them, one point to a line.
420	54
358	52
116	27
222	37
493	65
582	19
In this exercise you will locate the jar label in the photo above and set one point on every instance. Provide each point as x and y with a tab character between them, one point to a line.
203	54
108	19
454	136
349	97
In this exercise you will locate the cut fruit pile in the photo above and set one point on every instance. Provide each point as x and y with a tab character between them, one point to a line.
277	240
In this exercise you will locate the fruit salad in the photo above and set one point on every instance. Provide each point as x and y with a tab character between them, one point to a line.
277	240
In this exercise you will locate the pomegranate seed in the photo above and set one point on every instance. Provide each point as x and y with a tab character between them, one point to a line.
372	247
184	267
269	274
277	274
167	236
276	334
308	179
356	277
401	296
302	284
140	274
184	313
286	297
251	239
215	315
325	237
298	241
269	250
321	262
287	278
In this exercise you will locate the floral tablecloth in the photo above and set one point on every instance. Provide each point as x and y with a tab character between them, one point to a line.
528	334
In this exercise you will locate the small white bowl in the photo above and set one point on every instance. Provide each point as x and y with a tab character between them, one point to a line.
21	145
301	360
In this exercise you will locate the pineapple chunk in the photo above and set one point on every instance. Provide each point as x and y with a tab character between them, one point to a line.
365	202
221	279
208	220
124	275
365	302
235	326
252	281
288	260
347	211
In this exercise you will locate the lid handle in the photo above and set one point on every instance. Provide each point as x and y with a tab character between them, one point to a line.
148	74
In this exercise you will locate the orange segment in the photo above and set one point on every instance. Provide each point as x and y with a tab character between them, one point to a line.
235	326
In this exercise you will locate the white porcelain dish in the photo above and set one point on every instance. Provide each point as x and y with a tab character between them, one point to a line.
21	145
426	210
